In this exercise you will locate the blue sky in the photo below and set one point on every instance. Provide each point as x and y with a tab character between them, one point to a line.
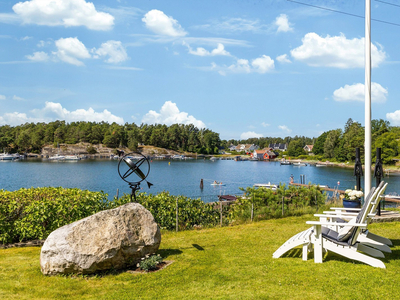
243	69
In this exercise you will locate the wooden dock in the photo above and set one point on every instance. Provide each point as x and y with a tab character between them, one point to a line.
322	187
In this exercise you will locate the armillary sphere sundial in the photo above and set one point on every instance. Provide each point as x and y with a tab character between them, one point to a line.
133	168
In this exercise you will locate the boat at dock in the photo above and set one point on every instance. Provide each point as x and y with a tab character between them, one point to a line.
299	164
72	157
6	156
285	163
57	157
266	185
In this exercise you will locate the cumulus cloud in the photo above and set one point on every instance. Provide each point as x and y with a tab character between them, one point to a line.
282	22
250	134
394	118
71	50
158	22
169	114
356	92
54	111
284	128
38	56
18	98
261	65
2	97
15	119
220	50
335	51
283	58
113	50
66	13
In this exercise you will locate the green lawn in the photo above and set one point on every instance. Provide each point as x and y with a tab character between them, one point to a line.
221	263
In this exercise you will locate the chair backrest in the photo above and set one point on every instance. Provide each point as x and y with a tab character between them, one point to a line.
375	204
361	218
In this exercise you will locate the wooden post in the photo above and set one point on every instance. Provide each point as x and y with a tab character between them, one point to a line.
220	211
177	210
117	193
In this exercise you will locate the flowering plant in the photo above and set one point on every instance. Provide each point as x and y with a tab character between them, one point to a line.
352	194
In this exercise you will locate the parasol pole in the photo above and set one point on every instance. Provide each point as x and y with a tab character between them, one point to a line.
367	145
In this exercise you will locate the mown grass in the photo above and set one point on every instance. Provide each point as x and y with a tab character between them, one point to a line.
220	263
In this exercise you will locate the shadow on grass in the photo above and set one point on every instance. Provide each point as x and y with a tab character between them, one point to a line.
168	252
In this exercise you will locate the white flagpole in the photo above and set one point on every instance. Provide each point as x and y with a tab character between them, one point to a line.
367	145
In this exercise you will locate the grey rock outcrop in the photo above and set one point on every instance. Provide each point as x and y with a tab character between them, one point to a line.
111	239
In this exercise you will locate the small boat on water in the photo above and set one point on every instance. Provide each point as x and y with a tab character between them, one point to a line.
72	157
266	185
299	164
285	163
320	165
57	157
216	183
6	156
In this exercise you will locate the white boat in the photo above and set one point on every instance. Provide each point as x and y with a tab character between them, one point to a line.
299	164
320	165
266	185
72	157
57	157
6	156
218	184
177	156
285	163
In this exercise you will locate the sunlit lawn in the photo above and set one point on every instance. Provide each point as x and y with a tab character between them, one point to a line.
222	263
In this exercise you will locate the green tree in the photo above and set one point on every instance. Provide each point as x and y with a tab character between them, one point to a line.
296	148
332	142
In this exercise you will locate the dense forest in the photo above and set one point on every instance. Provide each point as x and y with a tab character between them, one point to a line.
32	137
336	145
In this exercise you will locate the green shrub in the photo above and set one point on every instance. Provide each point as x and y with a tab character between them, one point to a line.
150	263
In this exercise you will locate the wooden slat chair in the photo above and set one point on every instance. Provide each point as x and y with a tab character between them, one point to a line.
344	244
340	215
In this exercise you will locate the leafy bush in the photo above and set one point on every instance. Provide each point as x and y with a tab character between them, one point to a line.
191	212
150	263
34	213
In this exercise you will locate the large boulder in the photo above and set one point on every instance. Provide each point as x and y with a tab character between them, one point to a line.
111	239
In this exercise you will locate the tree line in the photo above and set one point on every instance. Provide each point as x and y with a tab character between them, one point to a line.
336	145
31	137
339	145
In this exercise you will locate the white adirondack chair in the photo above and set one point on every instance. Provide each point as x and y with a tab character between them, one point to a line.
322	238
340	215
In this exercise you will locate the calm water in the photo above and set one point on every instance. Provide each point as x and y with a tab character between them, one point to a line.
178	177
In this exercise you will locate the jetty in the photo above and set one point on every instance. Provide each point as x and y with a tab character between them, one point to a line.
322	187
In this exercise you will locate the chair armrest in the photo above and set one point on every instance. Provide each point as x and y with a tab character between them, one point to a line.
344	208
335	223
338	213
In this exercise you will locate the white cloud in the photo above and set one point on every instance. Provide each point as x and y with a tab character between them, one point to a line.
25	38
169	114
356	92
283	58
220	50
264	124
250	134
394	118
18	98
336	51
38	56
284	128
54	111
263	64
158	22
2	97
15	118
114	50
282	22
70	50
66	13
233	25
